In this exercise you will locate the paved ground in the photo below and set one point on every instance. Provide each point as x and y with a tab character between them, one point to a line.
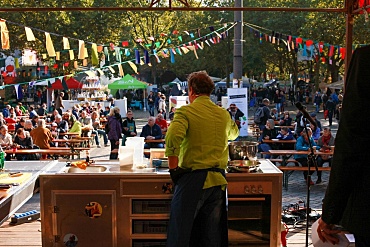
297	188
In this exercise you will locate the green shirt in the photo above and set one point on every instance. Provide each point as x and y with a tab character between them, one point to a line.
199	135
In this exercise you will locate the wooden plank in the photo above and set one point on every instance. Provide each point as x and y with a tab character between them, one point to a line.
25	235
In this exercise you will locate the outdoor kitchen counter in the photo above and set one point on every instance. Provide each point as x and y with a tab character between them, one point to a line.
109	206
16	196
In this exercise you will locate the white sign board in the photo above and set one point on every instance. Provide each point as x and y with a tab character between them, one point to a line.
178	101
239	97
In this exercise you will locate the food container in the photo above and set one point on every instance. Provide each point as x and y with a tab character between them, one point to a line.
243	150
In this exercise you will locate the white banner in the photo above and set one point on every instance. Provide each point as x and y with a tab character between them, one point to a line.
239	97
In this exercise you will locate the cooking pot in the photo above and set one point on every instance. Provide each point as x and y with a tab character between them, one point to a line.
242	150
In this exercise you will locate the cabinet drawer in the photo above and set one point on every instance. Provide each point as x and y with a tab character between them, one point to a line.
129	187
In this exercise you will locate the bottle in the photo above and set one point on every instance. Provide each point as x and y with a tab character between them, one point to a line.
87	156
2	159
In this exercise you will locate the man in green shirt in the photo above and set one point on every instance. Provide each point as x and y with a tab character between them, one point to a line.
197	150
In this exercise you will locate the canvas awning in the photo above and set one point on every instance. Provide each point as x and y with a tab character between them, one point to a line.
72	83
127	82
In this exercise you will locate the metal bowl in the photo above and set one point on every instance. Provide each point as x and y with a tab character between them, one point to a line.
243	150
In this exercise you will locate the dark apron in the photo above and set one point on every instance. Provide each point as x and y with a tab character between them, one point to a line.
187	194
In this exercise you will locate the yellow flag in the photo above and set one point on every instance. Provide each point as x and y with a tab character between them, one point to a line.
84	62
94	55
5	43
29	34
57	55
49	45
133	66
184	49
66	43
75	64
85	52
100	71
120	70
16	60
111	69
71	55
81	49
44	55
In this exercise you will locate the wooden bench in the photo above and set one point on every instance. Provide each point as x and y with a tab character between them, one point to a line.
288	171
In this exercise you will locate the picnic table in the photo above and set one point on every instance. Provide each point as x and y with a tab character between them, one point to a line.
287	170
43	152
277	141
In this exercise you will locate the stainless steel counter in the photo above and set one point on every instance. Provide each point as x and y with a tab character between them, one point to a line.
19	195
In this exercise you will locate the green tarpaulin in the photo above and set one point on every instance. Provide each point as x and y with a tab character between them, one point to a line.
127	82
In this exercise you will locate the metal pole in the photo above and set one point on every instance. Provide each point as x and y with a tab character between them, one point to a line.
238	46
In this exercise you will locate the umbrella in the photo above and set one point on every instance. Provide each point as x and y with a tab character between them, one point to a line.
127	82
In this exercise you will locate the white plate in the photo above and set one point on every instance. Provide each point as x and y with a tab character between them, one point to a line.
275	140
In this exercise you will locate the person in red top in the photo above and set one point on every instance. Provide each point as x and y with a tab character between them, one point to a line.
162	123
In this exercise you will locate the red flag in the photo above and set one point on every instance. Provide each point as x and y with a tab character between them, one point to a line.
331	51
175	32
124	43
321	46
323	60
298	40
309	42
46	68
342	52
111	46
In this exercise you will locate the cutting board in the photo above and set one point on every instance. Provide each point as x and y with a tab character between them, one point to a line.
6	179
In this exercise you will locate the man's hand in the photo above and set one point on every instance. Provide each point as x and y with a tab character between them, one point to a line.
326	232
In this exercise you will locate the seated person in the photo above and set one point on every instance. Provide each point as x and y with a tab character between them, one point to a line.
23	140
17	111
69	118
286	120
52	117
42	110
285	134
129	126
20	124
54	130
152	131
106	112
303	144
274	114
28	126
161	123
62	125
316	131
268	133
6	139
76	127
324	142
35	120
42	136
95	119
86	124
32	112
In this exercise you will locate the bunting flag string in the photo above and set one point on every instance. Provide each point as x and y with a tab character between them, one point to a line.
179	50
309	47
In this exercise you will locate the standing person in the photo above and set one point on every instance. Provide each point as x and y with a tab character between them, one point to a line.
115	127
348	191
129	126
262	114
330	106
151	99
197	150
277	100
317	100
59	103
156	101
162	106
